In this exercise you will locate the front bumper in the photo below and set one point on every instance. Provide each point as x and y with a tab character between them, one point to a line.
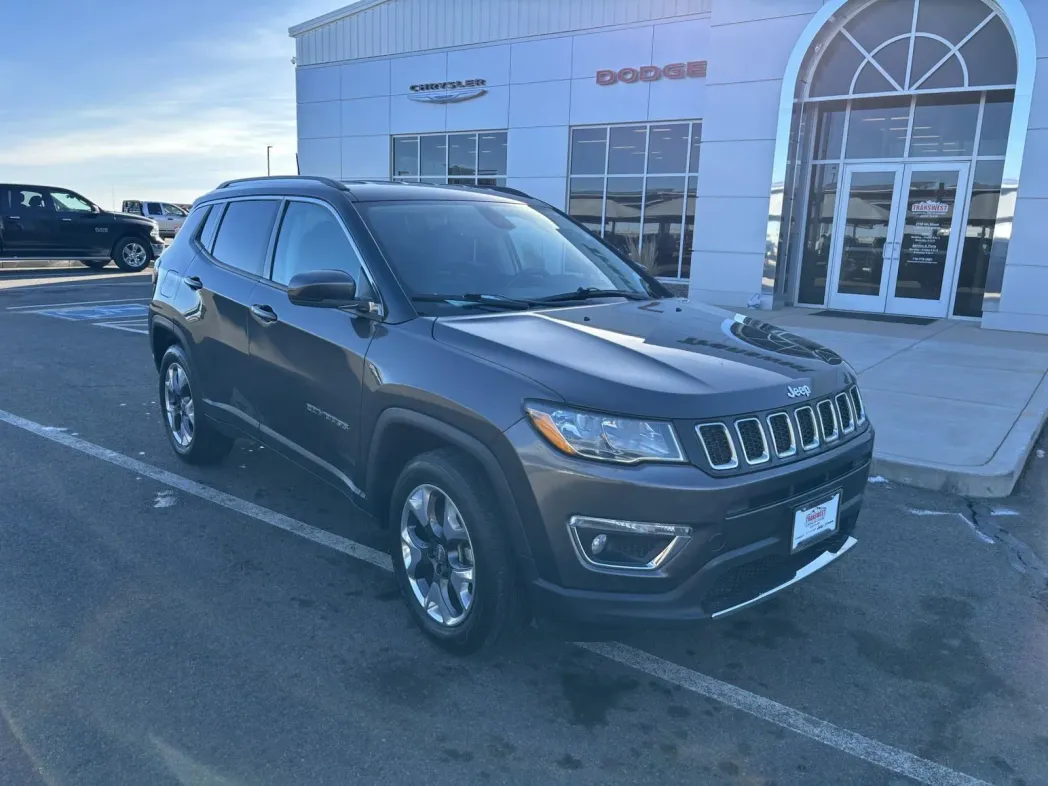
740	550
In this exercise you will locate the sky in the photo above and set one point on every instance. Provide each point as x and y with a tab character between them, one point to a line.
137	99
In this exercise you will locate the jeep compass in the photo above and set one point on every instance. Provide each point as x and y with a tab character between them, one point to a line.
544	430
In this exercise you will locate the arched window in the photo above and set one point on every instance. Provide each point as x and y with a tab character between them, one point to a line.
907	46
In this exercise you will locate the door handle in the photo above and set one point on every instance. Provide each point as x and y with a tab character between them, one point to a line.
263	314
67	219
14	218
194	283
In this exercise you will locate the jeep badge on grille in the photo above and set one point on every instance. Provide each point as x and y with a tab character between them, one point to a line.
803	391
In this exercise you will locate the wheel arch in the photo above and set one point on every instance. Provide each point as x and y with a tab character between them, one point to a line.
401	434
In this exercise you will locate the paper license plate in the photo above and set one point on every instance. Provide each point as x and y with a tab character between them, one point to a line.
812	523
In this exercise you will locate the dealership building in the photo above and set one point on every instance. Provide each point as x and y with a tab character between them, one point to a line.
879	156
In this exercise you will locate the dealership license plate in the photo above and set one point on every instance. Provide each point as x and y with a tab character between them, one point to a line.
812	523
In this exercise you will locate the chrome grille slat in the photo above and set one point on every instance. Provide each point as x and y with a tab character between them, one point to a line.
807	425
828	421
783	436
754	443
845	414
718	445
859	407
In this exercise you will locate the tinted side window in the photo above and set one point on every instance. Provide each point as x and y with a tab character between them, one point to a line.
28	199
153	208
243	237
191	226
207	234
311	238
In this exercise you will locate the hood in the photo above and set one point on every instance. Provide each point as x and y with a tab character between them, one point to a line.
665	358
133	218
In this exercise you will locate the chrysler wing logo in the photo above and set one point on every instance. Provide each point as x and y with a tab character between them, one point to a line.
803	391
448	92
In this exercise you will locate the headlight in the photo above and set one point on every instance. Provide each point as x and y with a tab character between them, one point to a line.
605	437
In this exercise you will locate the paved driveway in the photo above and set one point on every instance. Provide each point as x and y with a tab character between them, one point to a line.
238	625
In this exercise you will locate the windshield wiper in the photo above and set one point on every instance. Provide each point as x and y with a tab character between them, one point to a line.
591	293
475	299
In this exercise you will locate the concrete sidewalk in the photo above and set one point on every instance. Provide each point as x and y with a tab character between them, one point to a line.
956	408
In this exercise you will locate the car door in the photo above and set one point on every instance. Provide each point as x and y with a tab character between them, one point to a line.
31	224
232	248
155	211
79	223
308	363
174	216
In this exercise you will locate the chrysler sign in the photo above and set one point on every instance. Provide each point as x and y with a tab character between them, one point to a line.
448	92
696	69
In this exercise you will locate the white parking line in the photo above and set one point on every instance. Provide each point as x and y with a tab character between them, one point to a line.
81	303
137	326
890	758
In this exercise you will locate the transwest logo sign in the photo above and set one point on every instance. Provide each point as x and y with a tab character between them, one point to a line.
930	208
448	92
696	69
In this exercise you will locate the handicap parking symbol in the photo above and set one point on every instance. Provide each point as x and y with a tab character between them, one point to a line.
95	313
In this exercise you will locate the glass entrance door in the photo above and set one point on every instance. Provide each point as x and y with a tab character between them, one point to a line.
896	249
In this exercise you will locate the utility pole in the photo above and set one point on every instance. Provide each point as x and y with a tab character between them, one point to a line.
268	148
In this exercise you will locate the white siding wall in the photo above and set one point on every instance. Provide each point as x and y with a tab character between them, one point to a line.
536	89
1024	293
402	26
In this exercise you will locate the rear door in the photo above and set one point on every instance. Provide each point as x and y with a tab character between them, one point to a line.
232	250
308	363
31	224
79	222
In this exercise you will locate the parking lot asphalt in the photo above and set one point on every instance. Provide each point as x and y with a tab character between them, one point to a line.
237	625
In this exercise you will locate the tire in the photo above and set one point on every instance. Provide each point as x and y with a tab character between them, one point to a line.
94	264
193	439
131	254
495	614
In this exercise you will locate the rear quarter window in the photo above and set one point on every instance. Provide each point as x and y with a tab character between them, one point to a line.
244	234
191	227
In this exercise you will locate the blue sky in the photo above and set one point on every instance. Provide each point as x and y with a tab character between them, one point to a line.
121	99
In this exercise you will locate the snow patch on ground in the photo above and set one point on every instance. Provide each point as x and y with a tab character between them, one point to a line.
878	479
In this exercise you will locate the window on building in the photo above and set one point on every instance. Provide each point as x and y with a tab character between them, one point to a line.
473	159
635	186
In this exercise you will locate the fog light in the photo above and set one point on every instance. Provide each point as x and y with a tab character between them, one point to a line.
625	545
598	544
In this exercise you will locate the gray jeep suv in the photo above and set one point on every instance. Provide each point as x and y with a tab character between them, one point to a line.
542	427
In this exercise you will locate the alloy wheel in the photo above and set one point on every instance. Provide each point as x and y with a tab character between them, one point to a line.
134	255
178	406
438	555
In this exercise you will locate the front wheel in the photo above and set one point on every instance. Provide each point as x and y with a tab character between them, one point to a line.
193	439
452	556
131	254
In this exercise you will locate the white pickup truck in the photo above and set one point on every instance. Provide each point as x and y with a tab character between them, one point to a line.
169	217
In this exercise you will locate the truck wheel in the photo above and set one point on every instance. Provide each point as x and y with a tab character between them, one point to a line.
194	440
452	556
94	264
131	254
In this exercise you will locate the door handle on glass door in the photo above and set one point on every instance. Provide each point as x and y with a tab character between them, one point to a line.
263	314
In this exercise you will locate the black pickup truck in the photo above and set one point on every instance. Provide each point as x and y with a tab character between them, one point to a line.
44	223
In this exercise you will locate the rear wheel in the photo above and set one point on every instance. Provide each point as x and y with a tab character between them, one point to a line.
452	557
194	440
95	264
131	254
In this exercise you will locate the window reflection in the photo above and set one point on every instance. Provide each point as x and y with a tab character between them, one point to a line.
997	122
978	238
622	215
818	235
648	216
462	155
459	159
829	130
878	128
405	157
944	125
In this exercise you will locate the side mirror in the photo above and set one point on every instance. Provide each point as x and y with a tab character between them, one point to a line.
96	209
323	289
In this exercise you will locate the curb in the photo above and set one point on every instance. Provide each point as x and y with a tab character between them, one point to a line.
993	480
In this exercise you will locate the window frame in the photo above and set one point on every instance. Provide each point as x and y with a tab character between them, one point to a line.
500	180
54	204
694	125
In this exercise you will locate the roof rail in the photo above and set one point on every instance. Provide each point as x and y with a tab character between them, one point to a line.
508	191
327	181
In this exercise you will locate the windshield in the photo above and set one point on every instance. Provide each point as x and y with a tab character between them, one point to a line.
496	249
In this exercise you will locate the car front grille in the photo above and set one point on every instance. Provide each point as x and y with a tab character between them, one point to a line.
752	441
